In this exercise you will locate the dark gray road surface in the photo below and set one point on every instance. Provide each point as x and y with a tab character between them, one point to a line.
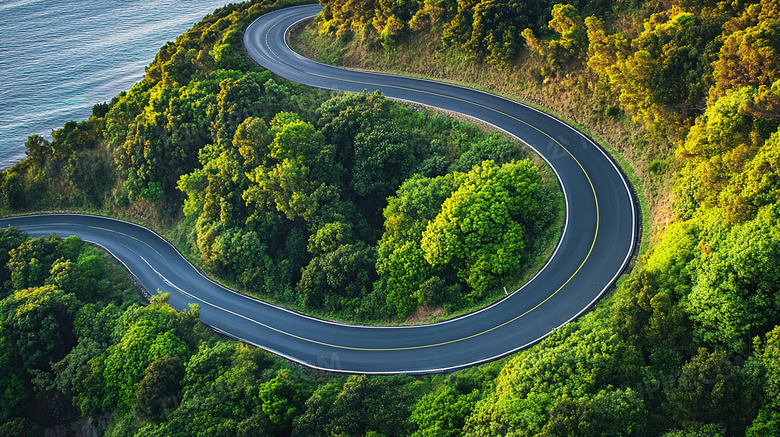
597	243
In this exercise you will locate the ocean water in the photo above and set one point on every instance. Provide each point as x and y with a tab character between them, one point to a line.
58	58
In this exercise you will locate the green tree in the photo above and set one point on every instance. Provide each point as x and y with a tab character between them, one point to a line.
301	165
73	137
19	427
717	156
72	370
282	396
38	321
357	406
735	295
490	29
228	53
769	354
443	414
12	191
13	380
404	270
494	148
347	16
575	362
334	278
38	151
237	100
166	137
712	389
608	413
69	277
571	42
10	239
220	395
481	229
31	262
370	404
252	139
90	175
758	184
316	412
648	318
663	73
767	423
193	186
417	201
401	261
383	159
206	365
156	392
671	261
158	331
566	21
603	49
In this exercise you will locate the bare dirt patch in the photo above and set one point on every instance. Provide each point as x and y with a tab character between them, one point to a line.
423	315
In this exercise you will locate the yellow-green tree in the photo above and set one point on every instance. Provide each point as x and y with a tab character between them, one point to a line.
481	229
751	49
664	76
401	261
572	37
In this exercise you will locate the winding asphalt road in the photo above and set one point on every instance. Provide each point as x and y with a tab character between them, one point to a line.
596	245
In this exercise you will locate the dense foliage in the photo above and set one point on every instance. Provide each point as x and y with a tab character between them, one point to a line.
663	59
61	301
283	188
80	356
337	196
681	349
293	209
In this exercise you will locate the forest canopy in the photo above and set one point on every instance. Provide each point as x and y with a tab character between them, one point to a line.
363	206
284	192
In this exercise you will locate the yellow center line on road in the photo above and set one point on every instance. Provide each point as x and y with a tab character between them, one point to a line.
593	243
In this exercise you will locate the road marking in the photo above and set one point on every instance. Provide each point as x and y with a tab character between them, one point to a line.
587	176
127	235
96	228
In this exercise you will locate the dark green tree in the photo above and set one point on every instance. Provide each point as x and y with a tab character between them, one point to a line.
712	388
156	394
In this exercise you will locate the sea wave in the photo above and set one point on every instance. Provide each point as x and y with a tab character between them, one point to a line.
60	58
